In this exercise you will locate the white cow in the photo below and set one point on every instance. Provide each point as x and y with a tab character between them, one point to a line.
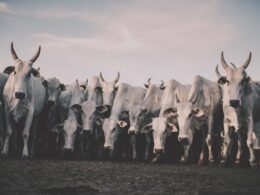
24	97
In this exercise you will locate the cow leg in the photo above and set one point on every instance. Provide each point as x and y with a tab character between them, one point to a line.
148	142
225	143
209	139
34	132
133	145
9	131
250	144
26	133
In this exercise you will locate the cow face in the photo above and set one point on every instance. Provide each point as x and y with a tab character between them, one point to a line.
111	128
88	111
236	81
77	95
69	131
94	90
162	127
109	90
22	74
54	88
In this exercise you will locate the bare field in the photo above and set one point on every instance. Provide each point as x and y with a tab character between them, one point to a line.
103	177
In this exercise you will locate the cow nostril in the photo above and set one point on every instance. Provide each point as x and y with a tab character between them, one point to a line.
234	103
106	147
158	150
19	95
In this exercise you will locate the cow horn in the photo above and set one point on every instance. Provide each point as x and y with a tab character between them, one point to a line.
149	81
217	72
35	57
14	55
101	77
233	65
245	65
223	62
118	77
162	83
177	99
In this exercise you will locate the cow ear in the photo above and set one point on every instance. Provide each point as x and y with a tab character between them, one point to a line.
83	86
172	127
122	123
222	80
170	112
246	80
198	112
58	128
62	87
146	129
99	121
146	86
45	83
8	70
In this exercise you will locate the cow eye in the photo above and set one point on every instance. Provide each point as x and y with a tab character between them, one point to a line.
14	72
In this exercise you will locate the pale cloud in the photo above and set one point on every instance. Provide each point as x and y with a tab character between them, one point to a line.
5	9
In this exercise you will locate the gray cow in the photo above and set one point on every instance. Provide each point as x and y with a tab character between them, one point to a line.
126	97
3	80
243	95
24	97
204	103
164	125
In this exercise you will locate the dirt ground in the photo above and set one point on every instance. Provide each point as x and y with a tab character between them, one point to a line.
98	177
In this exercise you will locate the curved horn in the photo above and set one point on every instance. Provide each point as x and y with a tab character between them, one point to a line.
14	55
177	99
162	83
149	81
101	77
118	77
223	62
233	65
77	82
217	72
35	57
245	65
86	81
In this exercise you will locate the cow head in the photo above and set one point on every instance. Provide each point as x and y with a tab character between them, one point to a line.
162	127
69	131
94	90
22	74
77	95
54	88
112	129
186	113
152	99
231	114
109	90
236	80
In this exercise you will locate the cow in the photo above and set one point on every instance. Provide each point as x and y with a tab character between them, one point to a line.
204	105
50	113
141	115
70	121
165	124
243	95
126	97
109	90
24	97
93	91
3	80
92	140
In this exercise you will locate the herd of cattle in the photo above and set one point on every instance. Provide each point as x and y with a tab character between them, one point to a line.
205	122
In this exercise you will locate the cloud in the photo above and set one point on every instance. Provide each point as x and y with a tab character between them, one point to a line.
5	9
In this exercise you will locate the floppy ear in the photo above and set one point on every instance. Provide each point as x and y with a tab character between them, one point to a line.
170	112
62	87
172	127
45	83
146	86
222	80
83	86
8	70
99	121
146	128
57	128
198	112
122	123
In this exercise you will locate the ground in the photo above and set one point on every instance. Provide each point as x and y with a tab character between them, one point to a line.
99	177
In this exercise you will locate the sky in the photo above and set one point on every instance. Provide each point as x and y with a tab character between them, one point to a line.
166	39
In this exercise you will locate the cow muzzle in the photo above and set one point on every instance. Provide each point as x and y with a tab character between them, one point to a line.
51	103
19	95
184	140
234	103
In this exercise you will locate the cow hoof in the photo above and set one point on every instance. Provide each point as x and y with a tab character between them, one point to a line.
25	157
253	164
